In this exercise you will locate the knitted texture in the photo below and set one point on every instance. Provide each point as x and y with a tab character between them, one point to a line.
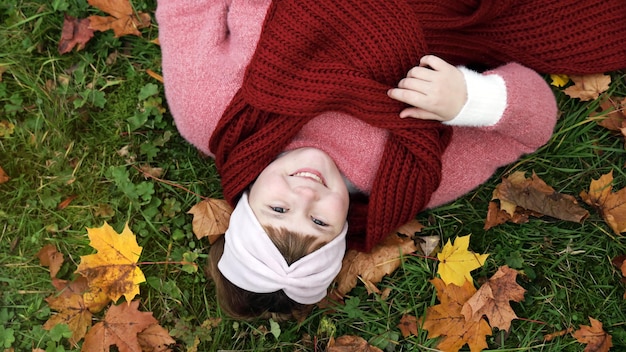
572	37
316	56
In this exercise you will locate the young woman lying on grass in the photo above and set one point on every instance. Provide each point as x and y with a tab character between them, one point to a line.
314	122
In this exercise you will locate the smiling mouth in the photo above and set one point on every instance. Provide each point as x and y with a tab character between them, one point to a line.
310	175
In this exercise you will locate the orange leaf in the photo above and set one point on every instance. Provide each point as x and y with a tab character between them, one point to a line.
123	19
408	325
3	176
75	33
588	87
373	266
611	205
611	114
348	343
210	218
66	202
154	75
120	327
113	270
50	257
492	299
155	339
594	336
71	308
445	320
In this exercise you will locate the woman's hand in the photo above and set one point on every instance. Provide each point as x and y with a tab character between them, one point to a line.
435	89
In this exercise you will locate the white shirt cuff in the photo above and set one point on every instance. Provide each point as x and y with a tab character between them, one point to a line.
486	100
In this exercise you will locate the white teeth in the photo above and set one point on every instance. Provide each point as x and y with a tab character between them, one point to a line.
309	175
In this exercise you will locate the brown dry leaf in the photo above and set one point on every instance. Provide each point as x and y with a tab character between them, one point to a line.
408	325
373	266
349	343
155	339
612	205
552	336
210	218
120	327
3	176
66	202
154	75
123	20
611	115
497	216
114	269
594	336
588	87
445	320
75	33
535	195
493	297
71	308
51	258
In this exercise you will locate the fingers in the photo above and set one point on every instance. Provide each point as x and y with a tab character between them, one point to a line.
418	113
434	62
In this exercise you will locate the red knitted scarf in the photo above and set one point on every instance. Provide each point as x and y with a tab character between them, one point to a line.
328	55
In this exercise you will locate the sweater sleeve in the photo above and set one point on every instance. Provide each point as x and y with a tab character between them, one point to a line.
206	46
475	153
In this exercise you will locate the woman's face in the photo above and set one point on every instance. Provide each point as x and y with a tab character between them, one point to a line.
302	191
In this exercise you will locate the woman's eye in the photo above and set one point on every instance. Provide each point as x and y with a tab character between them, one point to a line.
319	222
279	209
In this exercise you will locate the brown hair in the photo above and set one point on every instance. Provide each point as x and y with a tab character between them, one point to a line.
245	305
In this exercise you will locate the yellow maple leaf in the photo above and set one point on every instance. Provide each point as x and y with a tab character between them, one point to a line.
113	270
559	80
456	262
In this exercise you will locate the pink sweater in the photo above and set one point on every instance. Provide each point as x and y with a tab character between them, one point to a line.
207	44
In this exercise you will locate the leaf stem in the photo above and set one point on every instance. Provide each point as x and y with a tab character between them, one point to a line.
147	175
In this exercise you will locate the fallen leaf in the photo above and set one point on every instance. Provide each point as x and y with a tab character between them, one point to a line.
349	343
66	202
123	20
371	267
408	325
493	297
559	80
71	308
588	87
612	205
210	218
149	171
552	336
456	262
611	115
120	327
6	128
3	176
497	216
155	338
428	244
114	268
51	258
594	336
535	195
154	75
445	320
75	33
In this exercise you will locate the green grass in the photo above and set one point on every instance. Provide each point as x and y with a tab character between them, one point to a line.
84	120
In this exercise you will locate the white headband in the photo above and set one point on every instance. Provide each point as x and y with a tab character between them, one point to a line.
252	262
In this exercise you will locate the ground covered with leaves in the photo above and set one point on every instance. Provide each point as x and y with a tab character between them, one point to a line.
106	215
